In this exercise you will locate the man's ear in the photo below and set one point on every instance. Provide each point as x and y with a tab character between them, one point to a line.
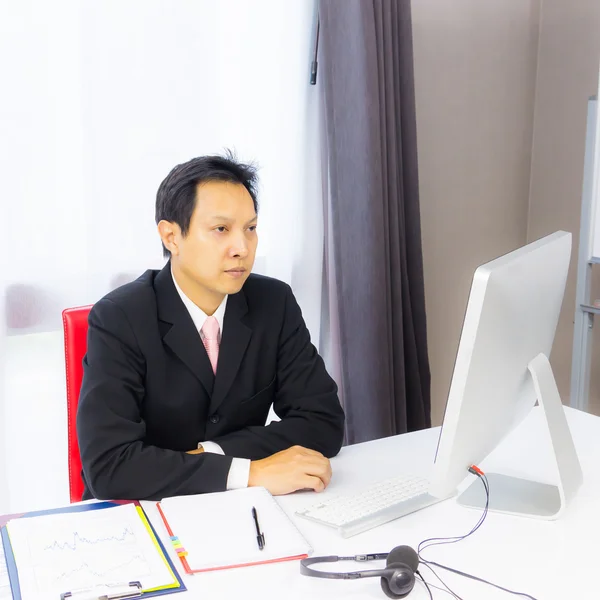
170	234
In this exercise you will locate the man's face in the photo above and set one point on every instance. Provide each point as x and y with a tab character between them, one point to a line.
218	251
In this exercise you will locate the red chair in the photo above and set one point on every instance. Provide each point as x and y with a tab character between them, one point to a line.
75	326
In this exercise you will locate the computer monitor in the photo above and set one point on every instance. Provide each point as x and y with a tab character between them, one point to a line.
501	370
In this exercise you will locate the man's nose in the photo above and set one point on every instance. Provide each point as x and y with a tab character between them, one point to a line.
239	248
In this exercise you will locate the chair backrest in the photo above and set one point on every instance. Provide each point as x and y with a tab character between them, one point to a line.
75	325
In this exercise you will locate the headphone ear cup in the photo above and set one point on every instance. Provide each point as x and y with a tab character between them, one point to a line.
405	555
385	586
404	561
400	583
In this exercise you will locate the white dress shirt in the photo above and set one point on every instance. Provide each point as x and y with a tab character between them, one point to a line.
239	471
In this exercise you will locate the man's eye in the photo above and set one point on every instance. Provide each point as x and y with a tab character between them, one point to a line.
221	229
252	228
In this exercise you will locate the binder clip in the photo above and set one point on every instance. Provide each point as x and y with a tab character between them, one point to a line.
113	591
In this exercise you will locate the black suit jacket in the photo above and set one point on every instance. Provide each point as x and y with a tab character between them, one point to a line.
149	394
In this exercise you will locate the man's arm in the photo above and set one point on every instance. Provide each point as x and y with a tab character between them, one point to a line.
306	400
116	462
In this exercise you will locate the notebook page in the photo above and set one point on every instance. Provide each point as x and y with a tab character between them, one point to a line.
218	530
5	593
64	552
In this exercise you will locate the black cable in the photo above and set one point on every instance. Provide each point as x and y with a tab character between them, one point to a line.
425	584
452	540
314	63
441	589
447	590
468	576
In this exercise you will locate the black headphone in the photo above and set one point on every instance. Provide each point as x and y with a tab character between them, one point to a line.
397	579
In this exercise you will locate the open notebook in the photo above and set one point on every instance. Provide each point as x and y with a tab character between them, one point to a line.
217	531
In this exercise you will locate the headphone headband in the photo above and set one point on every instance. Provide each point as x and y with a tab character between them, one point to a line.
306	570
397	579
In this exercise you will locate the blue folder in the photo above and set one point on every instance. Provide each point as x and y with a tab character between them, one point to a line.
11	565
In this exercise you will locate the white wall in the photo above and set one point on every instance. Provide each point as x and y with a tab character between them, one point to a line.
475	65
567	75
502	89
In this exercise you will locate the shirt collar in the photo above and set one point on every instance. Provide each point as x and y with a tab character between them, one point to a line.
197	314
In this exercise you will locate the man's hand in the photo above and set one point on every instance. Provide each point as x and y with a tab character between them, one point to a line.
290	470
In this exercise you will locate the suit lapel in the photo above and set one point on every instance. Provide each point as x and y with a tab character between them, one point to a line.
236	336
179	332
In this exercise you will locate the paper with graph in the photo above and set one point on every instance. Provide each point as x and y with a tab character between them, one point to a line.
65	552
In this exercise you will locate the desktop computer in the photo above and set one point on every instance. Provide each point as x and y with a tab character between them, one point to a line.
501	371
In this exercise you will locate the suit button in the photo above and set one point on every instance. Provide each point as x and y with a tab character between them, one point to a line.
214	419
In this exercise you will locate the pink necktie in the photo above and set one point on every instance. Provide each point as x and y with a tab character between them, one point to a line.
210	330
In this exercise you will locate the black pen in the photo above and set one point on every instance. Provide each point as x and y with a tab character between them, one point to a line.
260	537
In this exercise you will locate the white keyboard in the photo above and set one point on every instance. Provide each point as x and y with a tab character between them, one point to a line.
379	503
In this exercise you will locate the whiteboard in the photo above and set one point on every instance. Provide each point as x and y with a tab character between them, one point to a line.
595	212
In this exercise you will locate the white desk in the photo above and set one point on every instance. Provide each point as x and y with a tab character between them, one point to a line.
546	559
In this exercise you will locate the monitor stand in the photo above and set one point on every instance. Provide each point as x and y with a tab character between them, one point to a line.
529	498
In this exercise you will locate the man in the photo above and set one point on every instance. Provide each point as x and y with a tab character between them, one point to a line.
183	364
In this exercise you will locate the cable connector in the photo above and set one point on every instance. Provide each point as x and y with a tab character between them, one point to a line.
475	470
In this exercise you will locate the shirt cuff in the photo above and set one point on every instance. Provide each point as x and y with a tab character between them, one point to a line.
212	448
239	472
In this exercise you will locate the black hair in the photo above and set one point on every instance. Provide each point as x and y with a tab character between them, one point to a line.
176	195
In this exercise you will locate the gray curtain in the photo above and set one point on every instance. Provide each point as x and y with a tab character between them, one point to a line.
373	221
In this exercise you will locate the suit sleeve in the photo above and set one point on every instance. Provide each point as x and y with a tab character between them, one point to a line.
306	399
117	463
